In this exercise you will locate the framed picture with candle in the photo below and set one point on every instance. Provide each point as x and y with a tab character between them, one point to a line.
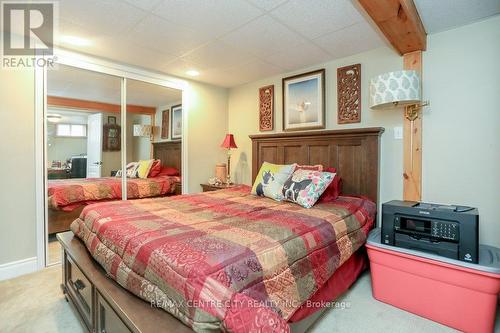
304	101
176	131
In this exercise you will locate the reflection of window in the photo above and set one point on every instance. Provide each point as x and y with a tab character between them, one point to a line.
74	130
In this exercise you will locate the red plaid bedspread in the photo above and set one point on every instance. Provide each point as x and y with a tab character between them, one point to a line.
225	259
68	194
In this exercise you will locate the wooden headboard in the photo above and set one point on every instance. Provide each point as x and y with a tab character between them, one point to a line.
354	152
169	152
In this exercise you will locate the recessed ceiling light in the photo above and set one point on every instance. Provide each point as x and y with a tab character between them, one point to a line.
74	40
192	72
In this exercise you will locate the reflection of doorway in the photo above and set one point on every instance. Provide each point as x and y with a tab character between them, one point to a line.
94	145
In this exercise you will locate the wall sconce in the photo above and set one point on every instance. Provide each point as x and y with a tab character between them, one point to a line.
396	89
144	131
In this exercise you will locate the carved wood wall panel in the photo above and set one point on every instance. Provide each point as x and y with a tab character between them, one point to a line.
349	94
165	119
266	108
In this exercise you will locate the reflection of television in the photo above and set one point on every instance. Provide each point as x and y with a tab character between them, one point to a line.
78	167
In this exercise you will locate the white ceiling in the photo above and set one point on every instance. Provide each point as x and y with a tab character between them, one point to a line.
65	81
231	42
447	14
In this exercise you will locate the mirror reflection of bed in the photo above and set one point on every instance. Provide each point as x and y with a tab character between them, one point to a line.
84	144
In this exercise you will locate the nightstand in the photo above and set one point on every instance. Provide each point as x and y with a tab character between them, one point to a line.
208	187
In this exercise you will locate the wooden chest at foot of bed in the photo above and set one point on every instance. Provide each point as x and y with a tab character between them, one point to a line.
100	303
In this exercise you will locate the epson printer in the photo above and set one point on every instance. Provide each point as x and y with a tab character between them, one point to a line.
449	231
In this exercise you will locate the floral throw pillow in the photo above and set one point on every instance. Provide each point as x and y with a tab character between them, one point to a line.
270	179
304	187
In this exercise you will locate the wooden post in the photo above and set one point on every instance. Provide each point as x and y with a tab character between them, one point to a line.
412	140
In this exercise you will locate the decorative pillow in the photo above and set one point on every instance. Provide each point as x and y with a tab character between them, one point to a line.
333	190
317	167
143	168
131	170
168	171
270	179
304	187
155	169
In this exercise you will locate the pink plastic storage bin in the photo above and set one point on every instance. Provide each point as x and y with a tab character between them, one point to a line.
454	293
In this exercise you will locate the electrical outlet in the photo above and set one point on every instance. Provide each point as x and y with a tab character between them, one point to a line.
398	133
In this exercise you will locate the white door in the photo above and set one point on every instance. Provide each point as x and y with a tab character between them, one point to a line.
94	145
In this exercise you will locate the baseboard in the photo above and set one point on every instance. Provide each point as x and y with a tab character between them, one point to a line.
16	268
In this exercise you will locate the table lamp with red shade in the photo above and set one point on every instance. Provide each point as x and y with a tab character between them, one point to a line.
229	143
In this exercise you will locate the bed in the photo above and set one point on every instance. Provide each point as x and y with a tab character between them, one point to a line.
67	198
230	260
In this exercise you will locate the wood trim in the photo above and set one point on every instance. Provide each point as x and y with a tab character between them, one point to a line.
412	140
400	23
354	152
85	105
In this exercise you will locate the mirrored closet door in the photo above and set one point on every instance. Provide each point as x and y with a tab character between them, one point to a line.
153	152
88	132
83	146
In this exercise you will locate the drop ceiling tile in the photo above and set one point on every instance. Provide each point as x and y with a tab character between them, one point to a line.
316	18
128	52
179	67
164	36
107	16
144	4
218	54
250	72
263	37
446	14
357	38
208	17
267	4
300	56
67	28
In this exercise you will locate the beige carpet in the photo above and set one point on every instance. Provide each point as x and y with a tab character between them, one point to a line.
35	303
55	251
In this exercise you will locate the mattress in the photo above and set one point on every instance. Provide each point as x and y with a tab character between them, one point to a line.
69	194
224	260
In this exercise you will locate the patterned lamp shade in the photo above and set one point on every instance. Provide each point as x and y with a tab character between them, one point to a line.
142	130
394	89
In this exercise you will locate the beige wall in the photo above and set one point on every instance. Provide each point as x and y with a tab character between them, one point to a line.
461	136
461	132
207	127
243	116
62	148
17	167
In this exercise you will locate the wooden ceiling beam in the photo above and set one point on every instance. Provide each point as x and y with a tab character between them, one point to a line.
85	105
400	23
